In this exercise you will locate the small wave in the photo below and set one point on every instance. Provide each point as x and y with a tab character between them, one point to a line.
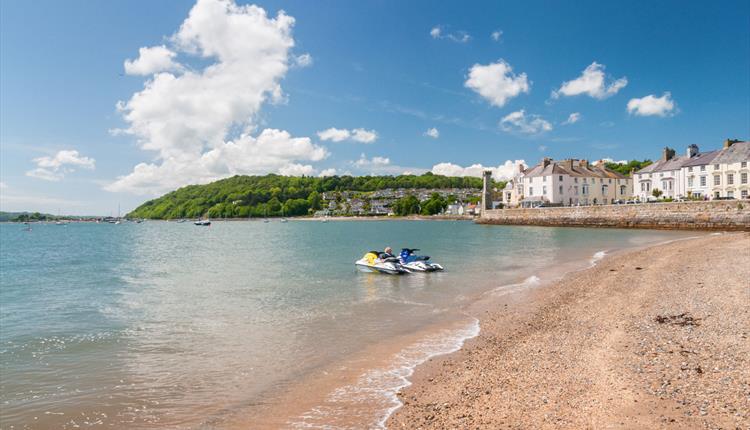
597	257
510	288
380	387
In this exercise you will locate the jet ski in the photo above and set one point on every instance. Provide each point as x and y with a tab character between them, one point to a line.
417	263
375	261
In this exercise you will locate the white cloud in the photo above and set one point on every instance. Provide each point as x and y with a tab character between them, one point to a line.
304	60
610	160
572	118
54	168
375	161
152	60
652	105
502	172
271	151
459	36
297	170
496	35
199	120
542	148
341	134
592	82
327	172
528	124
334	134
496	82
432	132
364	136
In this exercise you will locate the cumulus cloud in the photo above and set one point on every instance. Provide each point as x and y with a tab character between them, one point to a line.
528	124
375	161
496	82
271	151
361	135
55	167
611	160
432	132
152	60
503	171
199	119
304	60
572	118
592	83
496	35
460	36
652	105
327	172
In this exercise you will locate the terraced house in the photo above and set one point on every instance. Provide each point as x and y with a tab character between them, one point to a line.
568	182
715	174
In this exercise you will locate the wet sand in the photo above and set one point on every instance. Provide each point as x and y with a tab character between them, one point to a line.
654	338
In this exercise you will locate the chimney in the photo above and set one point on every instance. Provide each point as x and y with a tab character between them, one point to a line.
692	150
521	167
667	154
729	142
584	164
546	161
568	164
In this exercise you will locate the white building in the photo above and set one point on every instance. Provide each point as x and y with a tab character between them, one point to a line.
567	183
713	174
729	171
663	175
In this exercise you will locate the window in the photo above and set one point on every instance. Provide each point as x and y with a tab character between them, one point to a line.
531	191
575	180
730	193
743	194
743	178
610	181
690	181
703	181
622	189
730	179
661	175
604	189
664	185
544	190
575	189
716	167
643	186
560	177
743	164
584	180
560	189
703	168
717	180
544	179
690	169
585	189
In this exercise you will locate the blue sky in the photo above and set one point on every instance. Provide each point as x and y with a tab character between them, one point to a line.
636	75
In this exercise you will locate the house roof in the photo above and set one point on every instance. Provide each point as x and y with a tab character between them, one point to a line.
701	159
737	153
674	163
577	168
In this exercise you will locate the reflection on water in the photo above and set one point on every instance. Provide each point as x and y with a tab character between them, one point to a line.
167	325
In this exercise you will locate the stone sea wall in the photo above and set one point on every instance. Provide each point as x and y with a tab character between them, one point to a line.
710	215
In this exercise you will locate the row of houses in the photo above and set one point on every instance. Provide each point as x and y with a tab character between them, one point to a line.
715	174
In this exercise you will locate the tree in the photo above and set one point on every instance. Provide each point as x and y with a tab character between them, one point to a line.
434	205
656	192
314	200
406	206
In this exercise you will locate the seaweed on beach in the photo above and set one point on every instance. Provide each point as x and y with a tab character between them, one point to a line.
684	319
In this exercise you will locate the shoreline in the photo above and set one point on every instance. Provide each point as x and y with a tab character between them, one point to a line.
578	352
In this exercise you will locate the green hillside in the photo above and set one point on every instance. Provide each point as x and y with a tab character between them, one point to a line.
258	196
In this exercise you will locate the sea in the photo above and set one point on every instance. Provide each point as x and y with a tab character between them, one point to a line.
251	324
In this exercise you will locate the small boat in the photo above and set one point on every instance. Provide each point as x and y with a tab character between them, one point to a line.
27	228
378	262
203	222
417	263
181	220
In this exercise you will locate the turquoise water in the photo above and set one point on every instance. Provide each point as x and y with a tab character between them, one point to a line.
167	325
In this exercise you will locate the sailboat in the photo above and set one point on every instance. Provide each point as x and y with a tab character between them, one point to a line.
266	218
282	215
203	222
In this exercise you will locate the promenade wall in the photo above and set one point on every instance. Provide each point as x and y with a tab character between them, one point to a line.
708	215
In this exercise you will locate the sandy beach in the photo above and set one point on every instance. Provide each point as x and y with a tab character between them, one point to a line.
654	338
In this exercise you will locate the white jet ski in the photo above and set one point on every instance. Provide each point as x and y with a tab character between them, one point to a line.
379	262
417	263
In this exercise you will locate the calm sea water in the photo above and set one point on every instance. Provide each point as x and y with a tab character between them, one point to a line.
167	325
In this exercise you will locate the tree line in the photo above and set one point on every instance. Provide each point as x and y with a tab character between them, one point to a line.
275	195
